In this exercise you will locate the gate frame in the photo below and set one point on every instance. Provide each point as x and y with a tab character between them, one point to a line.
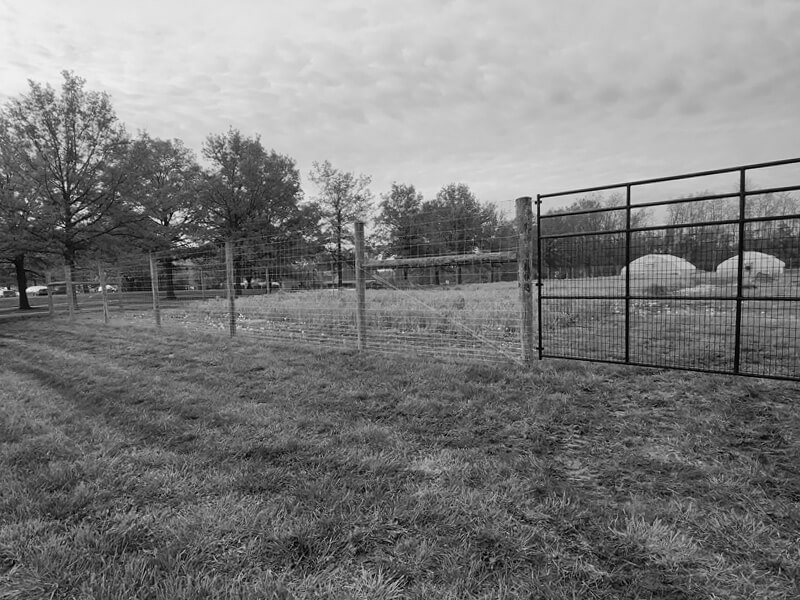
742	193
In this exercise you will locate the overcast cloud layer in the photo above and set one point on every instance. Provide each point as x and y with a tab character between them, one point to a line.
511	97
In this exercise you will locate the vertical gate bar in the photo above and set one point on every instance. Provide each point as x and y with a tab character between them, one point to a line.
539	283
628	273
154	289
737	340
525	275
361	286
230	286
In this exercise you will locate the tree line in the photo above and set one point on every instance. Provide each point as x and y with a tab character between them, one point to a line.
704	232
76	186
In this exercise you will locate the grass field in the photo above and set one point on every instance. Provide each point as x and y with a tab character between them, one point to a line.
185	465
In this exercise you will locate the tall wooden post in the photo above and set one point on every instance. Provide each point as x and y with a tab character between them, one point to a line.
525	274
103	291
361	286
70	291
230	286
154	288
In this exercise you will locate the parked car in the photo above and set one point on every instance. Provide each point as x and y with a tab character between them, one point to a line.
109	288
8	293
36	290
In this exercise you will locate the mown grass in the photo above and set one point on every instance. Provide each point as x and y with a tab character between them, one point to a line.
177	465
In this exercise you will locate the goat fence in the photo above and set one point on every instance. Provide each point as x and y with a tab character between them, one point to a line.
698	271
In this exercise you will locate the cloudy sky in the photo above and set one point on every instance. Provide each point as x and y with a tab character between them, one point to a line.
512	97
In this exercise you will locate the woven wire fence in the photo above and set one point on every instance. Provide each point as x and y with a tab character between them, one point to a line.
697	272
450	291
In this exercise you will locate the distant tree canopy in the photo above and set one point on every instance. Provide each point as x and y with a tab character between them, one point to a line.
246	190
75	186
694	230
454	222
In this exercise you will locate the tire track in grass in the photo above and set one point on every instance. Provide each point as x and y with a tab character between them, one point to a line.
143	406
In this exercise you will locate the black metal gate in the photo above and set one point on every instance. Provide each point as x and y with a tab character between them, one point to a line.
699	271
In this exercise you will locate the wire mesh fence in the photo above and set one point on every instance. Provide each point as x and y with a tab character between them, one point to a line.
450	294
698	272
704	278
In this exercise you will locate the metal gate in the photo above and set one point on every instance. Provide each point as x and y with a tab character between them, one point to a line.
699	271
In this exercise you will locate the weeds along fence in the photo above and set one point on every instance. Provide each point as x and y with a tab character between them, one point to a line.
454	293
698	271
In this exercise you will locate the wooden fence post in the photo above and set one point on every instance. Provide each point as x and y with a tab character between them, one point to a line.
103	291
230	286
361	286
154	288
525	275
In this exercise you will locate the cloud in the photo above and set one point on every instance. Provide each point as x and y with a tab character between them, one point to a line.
431	92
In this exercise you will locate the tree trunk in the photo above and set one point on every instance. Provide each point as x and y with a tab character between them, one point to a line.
339	258
69	259
22	281
169	278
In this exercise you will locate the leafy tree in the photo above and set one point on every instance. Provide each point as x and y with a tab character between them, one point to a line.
15	215
456	223
342	199
165	180
248	191
398	221
68	152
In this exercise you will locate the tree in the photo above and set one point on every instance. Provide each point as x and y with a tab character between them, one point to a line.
246	192
68	150
342	199
456	223
165	180
398	221
15	238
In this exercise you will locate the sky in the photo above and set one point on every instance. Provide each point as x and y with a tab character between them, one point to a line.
512	97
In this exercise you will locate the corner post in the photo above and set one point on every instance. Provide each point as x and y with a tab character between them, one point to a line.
525	274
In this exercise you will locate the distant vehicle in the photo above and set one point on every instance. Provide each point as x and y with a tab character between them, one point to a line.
109	288
36	290
8	293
